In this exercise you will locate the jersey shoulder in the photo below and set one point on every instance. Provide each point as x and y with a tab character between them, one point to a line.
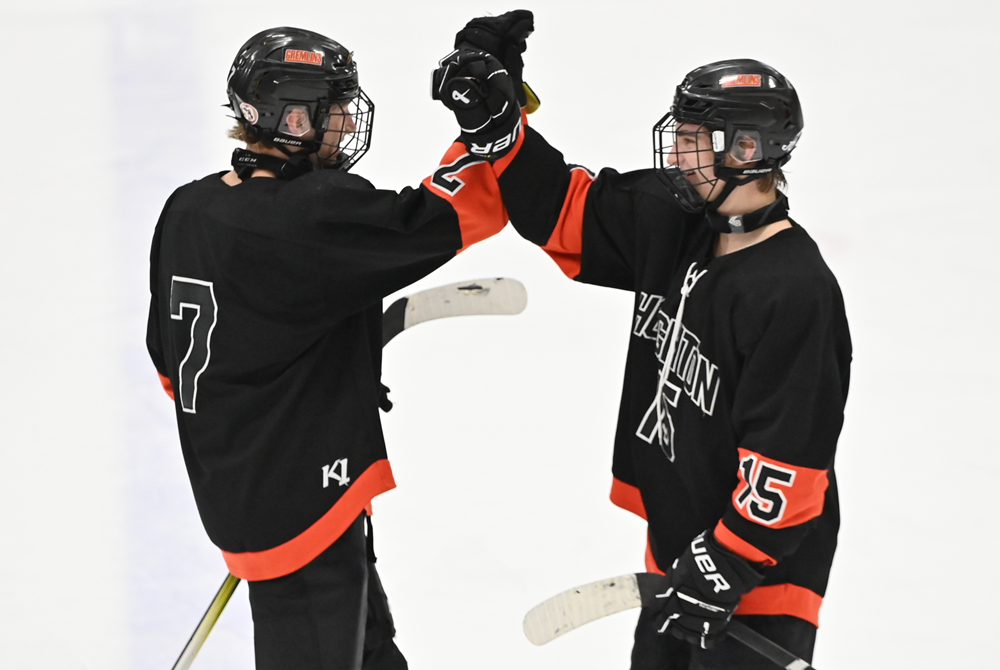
791	258
642	183
328	179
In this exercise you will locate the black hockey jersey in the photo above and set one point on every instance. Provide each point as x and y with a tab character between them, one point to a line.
734	427
265	327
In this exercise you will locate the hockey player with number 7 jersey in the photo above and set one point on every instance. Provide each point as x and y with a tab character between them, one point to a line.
265	325
739	356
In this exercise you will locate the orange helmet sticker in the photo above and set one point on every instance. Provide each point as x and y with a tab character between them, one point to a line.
733	80
307	57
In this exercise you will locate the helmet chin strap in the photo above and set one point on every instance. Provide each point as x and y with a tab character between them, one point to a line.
744	223
244	162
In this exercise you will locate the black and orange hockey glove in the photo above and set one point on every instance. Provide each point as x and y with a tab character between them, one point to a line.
505	38
701	590
476	87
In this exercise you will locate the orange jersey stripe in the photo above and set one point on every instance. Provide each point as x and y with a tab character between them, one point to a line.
776	494
167	386
565	245
789	599
470	186
741	547
627	497
314	540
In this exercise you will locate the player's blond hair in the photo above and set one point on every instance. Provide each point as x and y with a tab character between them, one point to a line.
248	135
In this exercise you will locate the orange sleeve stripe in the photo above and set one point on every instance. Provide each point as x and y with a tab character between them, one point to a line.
741	547
565	245
314	540
800	491
627	497
473	193
789	599
167	386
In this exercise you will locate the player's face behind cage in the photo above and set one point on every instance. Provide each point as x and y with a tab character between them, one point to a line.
687	155
347	134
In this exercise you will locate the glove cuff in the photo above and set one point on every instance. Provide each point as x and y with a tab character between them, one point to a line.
747	572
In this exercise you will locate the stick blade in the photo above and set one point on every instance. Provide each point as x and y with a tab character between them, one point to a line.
498	295
573	608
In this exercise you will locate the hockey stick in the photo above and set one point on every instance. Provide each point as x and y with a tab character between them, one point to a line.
207	622
478	296
573	608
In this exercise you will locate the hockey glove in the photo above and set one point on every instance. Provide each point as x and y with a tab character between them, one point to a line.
503	37
479	91
700	592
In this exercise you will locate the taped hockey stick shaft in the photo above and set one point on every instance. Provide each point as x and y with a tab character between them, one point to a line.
497	295
578	606
206	624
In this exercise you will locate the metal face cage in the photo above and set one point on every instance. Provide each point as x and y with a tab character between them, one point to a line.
347	131
682	157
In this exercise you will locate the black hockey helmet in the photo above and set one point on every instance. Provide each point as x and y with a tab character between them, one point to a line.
286	82
751	113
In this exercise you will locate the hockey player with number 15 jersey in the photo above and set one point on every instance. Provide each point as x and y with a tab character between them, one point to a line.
739	356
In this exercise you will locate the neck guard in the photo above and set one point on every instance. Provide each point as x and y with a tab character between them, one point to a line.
244	162
745	223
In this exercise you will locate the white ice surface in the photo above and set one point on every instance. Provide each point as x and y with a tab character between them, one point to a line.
501	436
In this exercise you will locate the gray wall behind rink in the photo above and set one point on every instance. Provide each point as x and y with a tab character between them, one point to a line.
500	440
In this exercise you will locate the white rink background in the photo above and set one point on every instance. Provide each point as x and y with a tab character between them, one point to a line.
501	436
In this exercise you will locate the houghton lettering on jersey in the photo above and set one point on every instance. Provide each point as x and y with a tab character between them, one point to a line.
689	372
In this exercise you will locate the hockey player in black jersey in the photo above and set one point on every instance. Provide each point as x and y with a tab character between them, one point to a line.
738	364
265	327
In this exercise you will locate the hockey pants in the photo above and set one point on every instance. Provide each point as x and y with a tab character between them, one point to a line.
331	614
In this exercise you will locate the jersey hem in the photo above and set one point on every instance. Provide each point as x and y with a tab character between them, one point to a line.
167	386
789	599
294	554
627	497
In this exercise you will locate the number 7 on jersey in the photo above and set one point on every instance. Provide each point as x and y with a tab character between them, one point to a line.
197	295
